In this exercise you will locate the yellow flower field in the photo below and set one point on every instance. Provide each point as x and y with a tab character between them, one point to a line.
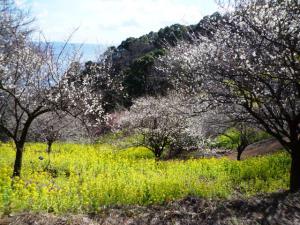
84	178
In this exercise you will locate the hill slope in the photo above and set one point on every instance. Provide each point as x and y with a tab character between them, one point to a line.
133	59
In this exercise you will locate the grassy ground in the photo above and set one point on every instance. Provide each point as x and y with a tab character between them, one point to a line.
83	178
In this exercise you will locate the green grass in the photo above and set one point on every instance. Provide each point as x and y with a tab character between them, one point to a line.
83	178
223	141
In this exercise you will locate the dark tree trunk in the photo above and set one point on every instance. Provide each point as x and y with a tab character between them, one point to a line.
18	160
239	154
295	170
20	147
49	146
240	150
157	152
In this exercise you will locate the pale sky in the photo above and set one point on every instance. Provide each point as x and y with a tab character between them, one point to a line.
111	21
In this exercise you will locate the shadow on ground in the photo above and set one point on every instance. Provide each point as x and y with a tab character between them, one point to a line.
273	209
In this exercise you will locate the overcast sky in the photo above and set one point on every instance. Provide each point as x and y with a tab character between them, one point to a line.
111	21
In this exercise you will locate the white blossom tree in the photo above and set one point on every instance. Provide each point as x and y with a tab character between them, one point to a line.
34	81
166	123
252	61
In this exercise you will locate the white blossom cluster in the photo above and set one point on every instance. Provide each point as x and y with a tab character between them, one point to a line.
252	61
166	122
35	81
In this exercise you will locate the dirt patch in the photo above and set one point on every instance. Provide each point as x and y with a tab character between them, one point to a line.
264	147
279	208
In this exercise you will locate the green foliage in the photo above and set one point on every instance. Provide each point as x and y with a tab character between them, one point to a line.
83	178
137	79
120	140
231	138
170	34
173	34
229	143
126	44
